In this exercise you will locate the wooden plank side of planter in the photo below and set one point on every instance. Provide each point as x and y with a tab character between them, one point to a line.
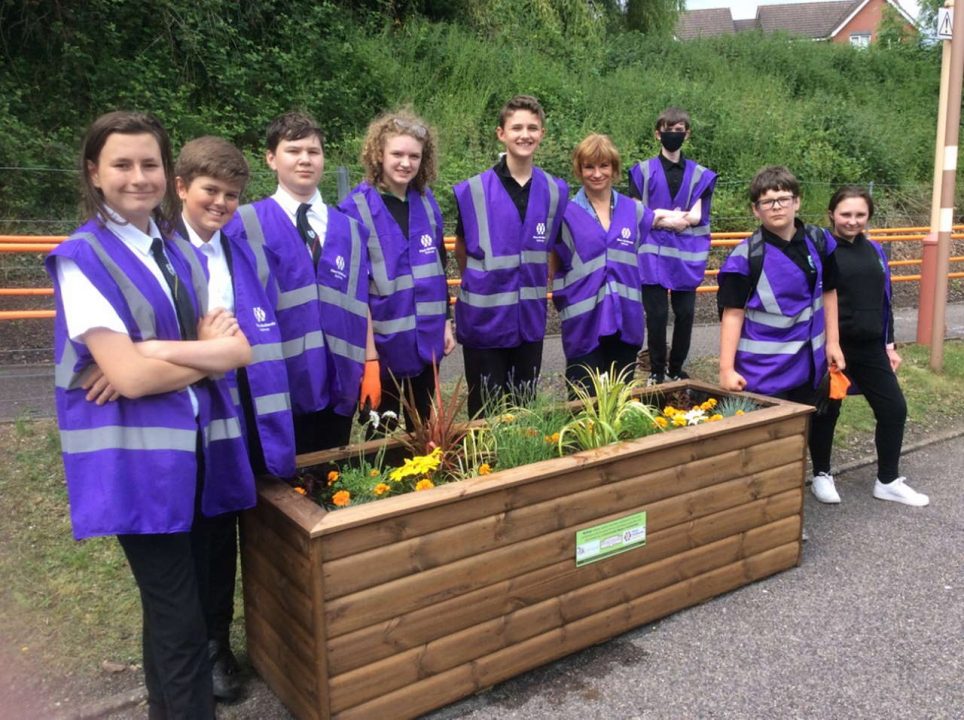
290	599
439	656
445	687
380	524
381	602
426	624
373	567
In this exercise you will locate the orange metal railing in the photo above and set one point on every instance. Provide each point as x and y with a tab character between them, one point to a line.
46	243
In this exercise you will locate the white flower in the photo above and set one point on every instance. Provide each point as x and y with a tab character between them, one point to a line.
695	416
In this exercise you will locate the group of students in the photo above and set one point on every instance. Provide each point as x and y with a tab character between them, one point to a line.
199	342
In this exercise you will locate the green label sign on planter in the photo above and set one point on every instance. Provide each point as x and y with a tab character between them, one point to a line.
612	538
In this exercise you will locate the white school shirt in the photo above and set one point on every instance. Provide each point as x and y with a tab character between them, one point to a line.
317	215
220	287
86	308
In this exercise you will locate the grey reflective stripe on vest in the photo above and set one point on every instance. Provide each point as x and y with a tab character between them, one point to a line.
769	347
119	437
140	308
621	256
533	293
667	251
64	375
488	301
274	403
694	181
345	349
197	272
477	193
428	271
255	236
775	320
222	429
235	395
645	192
308	341
553	202
430	308
429	213
266	352
351	304
768	298
589	304
696	230
579	270
298	296
390	327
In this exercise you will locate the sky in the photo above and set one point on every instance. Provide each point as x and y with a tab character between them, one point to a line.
746	9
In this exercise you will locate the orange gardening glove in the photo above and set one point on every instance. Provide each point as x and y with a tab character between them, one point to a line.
371	385
838	384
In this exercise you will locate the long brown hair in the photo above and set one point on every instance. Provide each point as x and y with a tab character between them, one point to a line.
126	123
399	122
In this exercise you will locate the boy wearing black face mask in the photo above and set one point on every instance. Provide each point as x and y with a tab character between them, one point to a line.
672	258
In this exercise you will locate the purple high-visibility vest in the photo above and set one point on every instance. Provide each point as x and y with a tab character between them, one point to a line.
783	340
323	312
596	290
255	298
407	292
674	260
131	465
502	298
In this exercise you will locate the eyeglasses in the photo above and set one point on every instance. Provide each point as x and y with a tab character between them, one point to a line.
416	130
777	202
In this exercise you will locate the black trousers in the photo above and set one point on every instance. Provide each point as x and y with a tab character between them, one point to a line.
656	306
177	671
822	424
610	351
869	367
418	388
494	373
216	586
321	430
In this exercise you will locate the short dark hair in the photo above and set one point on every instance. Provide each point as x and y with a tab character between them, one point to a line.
294	125
126	123
212	157
773	177
671	116
521	102
851	191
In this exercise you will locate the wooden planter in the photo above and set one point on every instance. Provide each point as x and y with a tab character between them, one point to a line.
397	607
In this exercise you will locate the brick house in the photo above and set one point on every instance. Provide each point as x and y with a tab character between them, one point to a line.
843	21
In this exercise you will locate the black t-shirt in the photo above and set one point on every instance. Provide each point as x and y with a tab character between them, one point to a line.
860	297
672	171
518	193
735	289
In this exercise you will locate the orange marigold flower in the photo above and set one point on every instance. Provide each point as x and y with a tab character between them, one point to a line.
301	491
333	477
381	489
661	421
425	484
484	469
714	418
341	498
374	473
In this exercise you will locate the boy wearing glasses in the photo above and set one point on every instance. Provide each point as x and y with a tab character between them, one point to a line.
779	311
672	257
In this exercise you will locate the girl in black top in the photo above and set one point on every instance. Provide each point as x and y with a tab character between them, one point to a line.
866	325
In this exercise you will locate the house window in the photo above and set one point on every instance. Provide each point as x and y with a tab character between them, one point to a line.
860	40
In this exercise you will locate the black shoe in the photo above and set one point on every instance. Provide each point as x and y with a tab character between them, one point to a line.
656	378
678	375
224	671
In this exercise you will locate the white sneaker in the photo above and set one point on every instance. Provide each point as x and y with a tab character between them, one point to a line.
899	491
824	489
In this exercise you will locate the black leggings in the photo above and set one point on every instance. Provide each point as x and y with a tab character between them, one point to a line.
656	306
610	351
495	373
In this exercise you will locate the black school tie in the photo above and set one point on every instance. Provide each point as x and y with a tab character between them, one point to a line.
307	233
182	301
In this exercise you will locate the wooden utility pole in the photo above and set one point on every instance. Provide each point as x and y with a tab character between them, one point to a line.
948	187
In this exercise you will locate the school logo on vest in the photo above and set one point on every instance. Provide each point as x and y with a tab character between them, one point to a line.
540	235
339	270
625	236
428	245
260	316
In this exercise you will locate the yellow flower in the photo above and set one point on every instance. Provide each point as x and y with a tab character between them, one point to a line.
669	411
341	498
507	418
484	469
661	421
714	418
679	420
374	473
709	404
301	491
419	465
739	412
552	439
381	489
425	484
333	477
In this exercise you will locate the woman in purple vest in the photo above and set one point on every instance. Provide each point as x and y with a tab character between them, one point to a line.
595	284
151	442
866	322
408	294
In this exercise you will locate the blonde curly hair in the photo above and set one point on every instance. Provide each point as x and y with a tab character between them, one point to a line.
390	124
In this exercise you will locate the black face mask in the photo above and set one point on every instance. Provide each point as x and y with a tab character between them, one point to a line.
672	141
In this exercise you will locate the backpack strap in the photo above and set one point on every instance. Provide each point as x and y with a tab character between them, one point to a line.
754	255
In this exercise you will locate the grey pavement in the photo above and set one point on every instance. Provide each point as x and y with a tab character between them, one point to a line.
27	390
